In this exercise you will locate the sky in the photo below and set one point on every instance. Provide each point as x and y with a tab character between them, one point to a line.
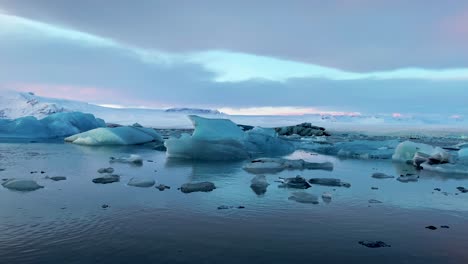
271	57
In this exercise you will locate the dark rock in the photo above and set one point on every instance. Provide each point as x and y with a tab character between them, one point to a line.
380	175
445	226
197	187
162	187
437	189
160	147
304	130
462	189
1	169
245	127
107	179
42	172
150	161
431	227
240	207
329	182
374	244
106	170
374	188
58	178
224	207
374	201
105	206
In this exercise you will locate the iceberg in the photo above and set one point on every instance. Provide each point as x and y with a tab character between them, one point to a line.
418	153
52	126
125	135
222	139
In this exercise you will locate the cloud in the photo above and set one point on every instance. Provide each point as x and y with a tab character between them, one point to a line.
353	35
71	64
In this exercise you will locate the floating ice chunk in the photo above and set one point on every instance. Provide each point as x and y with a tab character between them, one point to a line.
406	152
273	165
197	187
303	197
141	182
57	178
23	185
55	125
296	182
126	135
329	182
259	184
132	159
107	179
408	178
380	175
326	197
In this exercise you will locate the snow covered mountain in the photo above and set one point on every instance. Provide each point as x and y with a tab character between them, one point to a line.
19	104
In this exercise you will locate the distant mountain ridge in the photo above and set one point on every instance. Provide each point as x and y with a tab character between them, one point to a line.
193	111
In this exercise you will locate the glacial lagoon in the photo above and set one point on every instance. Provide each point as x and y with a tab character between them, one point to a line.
76	221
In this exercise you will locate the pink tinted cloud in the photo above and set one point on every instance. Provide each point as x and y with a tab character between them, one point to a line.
87	94
70	92
456	27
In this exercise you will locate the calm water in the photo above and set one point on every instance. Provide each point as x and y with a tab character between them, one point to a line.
65	223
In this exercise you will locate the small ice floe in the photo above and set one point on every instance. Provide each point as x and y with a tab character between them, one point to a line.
22	185
274	165
462	189
2	169
329	182
162	187
374	188
303	197
374	201
197	187
431	227
374	244
107	179
141	182
57	178
132	159
326	197
408	178
296	182
380	175
104	206
445	226
106	170
259	184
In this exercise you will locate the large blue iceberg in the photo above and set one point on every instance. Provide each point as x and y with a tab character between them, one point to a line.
222	139
52	126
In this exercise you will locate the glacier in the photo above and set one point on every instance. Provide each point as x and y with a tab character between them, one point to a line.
222	139
52	126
